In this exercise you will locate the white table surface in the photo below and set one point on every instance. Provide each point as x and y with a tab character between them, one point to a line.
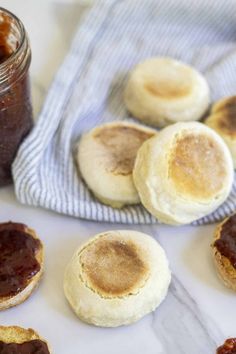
198	313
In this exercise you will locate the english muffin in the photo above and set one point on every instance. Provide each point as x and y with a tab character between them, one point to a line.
21	263
185	174
116	278
223	120
229	347
14	339
161	91
105	158
224	251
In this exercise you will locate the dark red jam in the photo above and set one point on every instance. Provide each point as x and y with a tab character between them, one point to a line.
226	244
31	347
5	29
18	263
229	347
15	102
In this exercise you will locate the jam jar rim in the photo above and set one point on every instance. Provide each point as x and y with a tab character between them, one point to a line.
22	38
18	62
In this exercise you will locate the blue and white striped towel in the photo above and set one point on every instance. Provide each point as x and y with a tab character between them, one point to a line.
88	89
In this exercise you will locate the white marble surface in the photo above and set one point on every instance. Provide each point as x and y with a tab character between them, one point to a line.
198	313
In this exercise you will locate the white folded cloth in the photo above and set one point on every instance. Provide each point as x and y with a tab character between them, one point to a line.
88	90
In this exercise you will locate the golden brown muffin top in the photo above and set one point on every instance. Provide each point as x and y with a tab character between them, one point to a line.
173	81
228	103
113	267
223	117
121	144
225	122
197	166
169	89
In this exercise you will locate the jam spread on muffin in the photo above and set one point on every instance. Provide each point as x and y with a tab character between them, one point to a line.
226	244
18	263
31	347
229	347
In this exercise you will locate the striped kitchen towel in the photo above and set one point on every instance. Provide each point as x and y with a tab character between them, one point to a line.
116	35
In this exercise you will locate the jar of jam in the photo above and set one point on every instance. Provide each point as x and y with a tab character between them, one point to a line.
15	101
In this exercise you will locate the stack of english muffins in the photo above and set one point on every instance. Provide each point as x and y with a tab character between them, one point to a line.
181	171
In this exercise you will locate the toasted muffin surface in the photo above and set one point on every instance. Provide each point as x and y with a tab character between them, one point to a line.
227	103
223	120
195	161
17	334
121	142
172	82
127	262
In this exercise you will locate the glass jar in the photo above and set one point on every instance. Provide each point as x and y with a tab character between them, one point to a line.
15	102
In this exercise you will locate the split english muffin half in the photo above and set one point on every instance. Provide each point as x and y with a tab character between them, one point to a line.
105	158
116	278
